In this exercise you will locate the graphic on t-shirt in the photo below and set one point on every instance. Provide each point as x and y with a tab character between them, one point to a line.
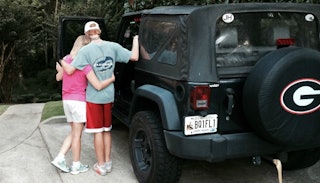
104	65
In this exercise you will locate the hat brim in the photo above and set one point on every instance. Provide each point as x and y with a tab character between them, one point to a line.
93	28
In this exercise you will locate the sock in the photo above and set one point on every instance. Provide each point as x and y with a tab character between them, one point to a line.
76	164
60	157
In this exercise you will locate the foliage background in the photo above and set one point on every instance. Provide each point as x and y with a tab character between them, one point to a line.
28	39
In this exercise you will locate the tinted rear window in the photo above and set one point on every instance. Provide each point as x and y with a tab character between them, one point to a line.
243	38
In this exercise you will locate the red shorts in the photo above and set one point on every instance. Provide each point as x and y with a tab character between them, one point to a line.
99	118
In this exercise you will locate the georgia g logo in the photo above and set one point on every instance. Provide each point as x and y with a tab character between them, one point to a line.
301	96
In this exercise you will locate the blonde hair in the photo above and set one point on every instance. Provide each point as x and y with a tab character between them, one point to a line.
81	41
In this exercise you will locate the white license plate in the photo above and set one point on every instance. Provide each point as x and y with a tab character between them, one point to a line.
199	125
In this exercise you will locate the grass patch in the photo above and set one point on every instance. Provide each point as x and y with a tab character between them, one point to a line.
3	108
53	108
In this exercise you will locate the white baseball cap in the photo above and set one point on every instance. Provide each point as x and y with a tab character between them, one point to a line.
91	26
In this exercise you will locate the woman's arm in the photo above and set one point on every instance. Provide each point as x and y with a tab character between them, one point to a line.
99	85
59	72
135	49
68	68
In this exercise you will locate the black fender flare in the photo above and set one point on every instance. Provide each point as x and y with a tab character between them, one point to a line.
166	103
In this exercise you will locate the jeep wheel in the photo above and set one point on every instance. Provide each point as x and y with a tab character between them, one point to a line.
301	159
281	97
150	158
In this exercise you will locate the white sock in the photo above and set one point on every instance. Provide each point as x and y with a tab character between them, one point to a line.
76	164
60	157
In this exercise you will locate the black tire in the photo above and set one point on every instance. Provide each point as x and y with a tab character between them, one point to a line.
265	93
301	159
150	158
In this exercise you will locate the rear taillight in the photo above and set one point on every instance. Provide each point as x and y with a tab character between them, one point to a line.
200	97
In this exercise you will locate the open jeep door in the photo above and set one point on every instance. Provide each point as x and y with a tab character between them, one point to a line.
70	27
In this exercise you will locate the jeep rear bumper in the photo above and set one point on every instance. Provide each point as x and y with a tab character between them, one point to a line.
216	147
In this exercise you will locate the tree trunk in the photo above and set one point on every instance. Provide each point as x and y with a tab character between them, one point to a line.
5	57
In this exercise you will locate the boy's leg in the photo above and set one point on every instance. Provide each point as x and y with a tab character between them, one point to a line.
107	145
107	136
95	125
99	148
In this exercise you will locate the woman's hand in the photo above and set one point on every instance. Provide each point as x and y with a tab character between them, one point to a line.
58	67
113	78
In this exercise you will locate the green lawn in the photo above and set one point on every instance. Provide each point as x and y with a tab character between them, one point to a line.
3	108
51	109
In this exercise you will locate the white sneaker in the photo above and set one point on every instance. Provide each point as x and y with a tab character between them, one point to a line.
101	170
82	168
62	165
108	166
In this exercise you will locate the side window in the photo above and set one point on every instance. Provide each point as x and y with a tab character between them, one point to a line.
158	42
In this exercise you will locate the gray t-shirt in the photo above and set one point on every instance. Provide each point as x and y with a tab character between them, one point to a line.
102	57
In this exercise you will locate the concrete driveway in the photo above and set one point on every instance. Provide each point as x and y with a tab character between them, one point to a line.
28	146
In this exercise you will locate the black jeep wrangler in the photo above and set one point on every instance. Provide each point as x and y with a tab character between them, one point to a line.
217	82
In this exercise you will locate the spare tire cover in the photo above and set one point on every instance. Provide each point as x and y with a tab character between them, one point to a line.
281	97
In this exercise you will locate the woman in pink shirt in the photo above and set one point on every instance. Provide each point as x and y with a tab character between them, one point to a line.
74	105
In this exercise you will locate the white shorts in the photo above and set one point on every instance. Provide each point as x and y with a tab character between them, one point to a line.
75	111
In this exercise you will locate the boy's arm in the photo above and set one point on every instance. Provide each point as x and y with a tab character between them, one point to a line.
145	55
68	68
59	72
99	85
135	49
